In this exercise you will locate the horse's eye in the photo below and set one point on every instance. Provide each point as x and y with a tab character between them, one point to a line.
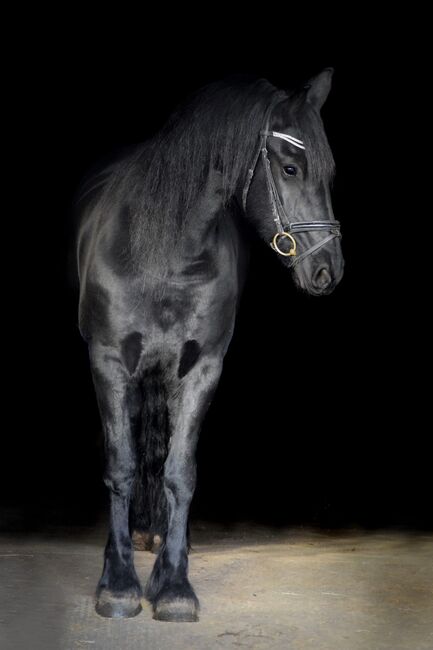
290	170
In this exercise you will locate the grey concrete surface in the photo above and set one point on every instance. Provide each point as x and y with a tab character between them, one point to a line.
259	588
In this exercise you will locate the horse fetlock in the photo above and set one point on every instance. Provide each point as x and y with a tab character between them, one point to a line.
119	579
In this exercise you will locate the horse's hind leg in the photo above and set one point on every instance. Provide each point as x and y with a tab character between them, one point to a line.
168	589
119	591
148	512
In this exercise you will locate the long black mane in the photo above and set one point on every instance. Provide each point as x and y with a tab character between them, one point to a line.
217	128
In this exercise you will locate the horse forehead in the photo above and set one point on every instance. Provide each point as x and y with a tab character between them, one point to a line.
282	119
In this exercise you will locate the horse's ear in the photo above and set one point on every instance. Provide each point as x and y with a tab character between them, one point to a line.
317	89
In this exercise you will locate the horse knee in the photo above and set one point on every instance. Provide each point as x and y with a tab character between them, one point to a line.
181	484
120	483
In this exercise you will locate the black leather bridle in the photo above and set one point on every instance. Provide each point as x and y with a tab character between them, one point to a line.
285	228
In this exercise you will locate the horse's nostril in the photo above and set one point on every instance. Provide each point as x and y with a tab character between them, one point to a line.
322	278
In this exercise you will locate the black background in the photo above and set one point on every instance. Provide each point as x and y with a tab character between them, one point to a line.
317	417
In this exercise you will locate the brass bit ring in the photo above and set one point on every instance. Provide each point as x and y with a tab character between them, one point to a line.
285	235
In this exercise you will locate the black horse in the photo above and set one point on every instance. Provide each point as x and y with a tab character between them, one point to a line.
162	256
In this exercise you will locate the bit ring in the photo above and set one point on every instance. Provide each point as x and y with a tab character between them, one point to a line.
286	235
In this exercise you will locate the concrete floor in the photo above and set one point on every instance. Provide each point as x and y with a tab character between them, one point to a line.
259	588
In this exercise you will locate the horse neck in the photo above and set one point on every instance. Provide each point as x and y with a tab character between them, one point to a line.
199	229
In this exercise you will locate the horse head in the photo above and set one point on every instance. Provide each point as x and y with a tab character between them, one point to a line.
287	192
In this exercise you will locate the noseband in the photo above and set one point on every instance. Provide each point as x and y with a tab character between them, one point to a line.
285	228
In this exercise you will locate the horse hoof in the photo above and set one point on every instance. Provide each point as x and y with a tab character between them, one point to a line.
110	606
156	543
176	608
181	610
140	540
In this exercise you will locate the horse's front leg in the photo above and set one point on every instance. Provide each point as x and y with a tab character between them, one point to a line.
119	591
168	588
